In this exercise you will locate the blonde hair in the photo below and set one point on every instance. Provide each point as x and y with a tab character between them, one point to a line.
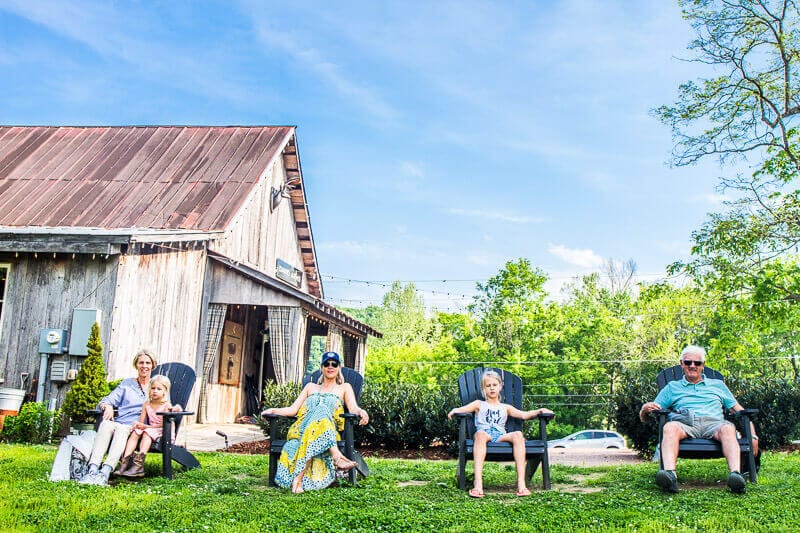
490	374
164	380
148	353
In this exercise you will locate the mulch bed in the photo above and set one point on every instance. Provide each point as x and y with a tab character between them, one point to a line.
260	447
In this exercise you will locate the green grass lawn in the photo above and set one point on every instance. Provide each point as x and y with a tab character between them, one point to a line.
230	493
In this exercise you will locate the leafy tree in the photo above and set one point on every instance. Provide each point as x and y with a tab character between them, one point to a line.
747	111
90	385
752	104
509	309
756	329
401	317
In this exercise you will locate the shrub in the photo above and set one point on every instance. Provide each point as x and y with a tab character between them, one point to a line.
91	385
555	430
278	396
402	416
34	424
407	416
778	402
636	387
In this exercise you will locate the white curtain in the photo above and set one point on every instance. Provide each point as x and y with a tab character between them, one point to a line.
333	343
361	355
215	321
300	352
287	332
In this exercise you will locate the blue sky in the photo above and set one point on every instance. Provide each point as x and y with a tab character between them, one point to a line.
438	139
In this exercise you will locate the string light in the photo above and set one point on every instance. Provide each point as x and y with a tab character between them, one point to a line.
449	300
664	359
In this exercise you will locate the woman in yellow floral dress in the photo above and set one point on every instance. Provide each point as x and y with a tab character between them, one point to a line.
310	457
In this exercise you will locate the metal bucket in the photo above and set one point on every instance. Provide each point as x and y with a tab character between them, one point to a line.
11	400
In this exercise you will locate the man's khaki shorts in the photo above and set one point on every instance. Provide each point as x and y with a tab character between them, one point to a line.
704	427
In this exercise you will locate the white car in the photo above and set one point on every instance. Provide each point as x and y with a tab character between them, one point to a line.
590	438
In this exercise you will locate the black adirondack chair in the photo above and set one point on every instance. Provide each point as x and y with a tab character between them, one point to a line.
469	388
347	446
710	448
182	378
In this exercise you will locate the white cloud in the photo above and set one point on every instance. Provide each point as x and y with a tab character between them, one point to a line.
584	258
325	69
125	33
492	214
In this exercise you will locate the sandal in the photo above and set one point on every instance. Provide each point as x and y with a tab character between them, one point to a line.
524	492
476	493
343	463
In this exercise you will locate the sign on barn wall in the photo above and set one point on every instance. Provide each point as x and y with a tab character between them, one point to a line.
288	273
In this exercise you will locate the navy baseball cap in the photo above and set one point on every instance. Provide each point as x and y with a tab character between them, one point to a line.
330	356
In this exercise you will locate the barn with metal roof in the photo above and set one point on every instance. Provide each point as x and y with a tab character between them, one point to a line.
193	241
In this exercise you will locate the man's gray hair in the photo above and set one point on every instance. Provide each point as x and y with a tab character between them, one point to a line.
695	350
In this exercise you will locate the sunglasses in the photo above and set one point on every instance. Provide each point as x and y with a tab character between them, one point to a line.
695	363
328	364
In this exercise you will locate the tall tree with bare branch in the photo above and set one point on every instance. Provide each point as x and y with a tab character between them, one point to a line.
747	113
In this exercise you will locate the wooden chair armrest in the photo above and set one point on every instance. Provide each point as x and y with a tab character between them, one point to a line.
273	426
462	415
174	414
276	417
546	416
98	412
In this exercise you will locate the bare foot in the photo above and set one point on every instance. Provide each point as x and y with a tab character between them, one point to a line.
343	463
297	485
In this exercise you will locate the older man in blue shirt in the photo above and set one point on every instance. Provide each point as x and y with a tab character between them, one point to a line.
704	400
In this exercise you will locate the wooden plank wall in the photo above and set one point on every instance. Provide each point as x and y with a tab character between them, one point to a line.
229	287
158	307
41	293
258	237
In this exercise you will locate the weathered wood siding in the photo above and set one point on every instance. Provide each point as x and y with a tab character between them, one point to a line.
258	236
42	292
158	307
229	287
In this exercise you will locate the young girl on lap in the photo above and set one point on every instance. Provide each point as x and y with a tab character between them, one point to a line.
147	429
490	426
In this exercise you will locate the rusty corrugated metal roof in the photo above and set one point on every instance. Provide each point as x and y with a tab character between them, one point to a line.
175	177
155	177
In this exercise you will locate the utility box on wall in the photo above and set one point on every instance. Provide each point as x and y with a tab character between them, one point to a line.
59	370
53	341
82	320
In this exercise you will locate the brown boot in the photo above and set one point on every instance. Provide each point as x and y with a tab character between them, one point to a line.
124	466
137	465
